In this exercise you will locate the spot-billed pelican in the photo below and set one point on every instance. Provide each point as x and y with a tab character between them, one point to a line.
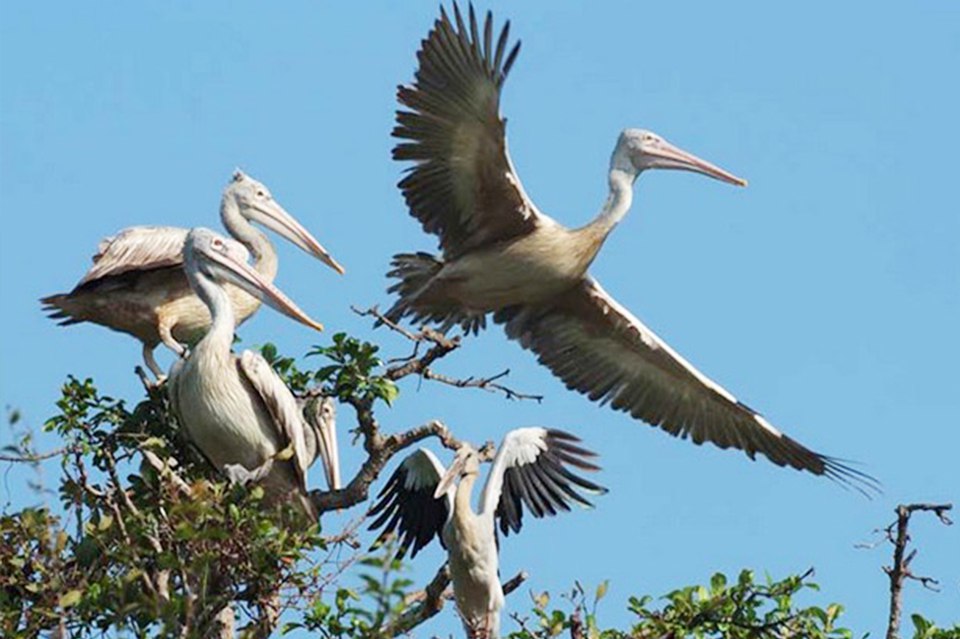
235	408
423	500
502	255
137	286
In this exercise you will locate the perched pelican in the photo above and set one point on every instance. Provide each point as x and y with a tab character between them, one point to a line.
137	286
422	500
235	408
502	255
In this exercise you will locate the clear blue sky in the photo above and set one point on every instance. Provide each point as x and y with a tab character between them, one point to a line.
827	294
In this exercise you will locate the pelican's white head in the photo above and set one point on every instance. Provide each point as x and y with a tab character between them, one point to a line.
254	202
638	150
211	260
466	463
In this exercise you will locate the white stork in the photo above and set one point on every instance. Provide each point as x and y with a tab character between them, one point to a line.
137	285
502	255
423	500
235	408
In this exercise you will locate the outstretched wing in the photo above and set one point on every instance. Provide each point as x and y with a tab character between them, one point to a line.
531	469
406	506
138	248
463	186
598	348
286	416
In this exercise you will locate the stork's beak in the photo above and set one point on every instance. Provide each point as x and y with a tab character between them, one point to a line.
668	156
276	218
446	482
243	275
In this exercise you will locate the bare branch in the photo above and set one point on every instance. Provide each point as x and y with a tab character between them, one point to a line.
441	346
900	571
36	457
380	449
431	600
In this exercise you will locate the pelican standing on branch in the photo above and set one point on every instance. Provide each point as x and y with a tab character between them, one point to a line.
501	255
235	408
423	500
137	285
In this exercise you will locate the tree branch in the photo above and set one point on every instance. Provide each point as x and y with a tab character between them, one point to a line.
900	571
430	601
441	346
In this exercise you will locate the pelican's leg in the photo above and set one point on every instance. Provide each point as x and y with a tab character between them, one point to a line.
151	363
166	336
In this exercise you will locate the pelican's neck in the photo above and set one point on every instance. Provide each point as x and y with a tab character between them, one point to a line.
220	334
592	236
264	255
462	509
618	200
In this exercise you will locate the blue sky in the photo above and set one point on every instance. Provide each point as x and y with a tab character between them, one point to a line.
826	295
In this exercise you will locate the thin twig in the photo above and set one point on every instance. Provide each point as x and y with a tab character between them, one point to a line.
36	457
441	345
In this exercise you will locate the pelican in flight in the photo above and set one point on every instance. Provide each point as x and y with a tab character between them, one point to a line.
423	500
501	255
137	285
235	408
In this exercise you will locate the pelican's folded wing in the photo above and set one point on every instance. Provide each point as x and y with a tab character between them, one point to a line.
463	186
281	406
598	348
138	248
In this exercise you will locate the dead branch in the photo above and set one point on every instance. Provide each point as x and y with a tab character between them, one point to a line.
36	457
441	345
896	533
428	602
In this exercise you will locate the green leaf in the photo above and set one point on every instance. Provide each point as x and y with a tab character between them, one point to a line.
602	590
69	599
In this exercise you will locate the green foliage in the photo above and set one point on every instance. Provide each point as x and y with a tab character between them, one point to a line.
350	376
157	545
150	541
743	609
926	629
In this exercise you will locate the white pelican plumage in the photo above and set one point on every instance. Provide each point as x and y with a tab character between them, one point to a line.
235	408
423	500
502	255
137	286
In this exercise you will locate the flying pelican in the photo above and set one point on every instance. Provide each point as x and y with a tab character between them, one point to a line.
422	500
235	408
137	286
502	255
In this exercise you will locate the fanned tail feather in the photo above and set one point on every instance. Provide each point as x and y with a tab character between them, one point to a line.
414	272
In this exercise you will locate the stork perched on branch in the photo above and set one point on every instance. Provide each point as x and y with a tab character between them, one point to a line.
423	500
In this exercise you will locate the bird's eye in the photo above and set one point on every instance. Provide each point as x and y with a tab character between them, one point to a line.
218	244
260	193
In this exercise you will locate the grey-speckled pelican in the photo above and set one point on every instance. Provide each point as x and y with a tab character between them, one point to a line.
137	286
501	255
423	500
235	408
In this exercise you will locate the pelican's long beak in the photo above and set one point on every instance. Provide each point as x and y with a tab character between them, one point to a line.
330	452
668	156
446	482
244	276
276	218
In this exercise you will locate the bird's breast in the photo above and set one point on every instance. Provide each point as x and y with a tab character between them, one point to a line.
221	414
